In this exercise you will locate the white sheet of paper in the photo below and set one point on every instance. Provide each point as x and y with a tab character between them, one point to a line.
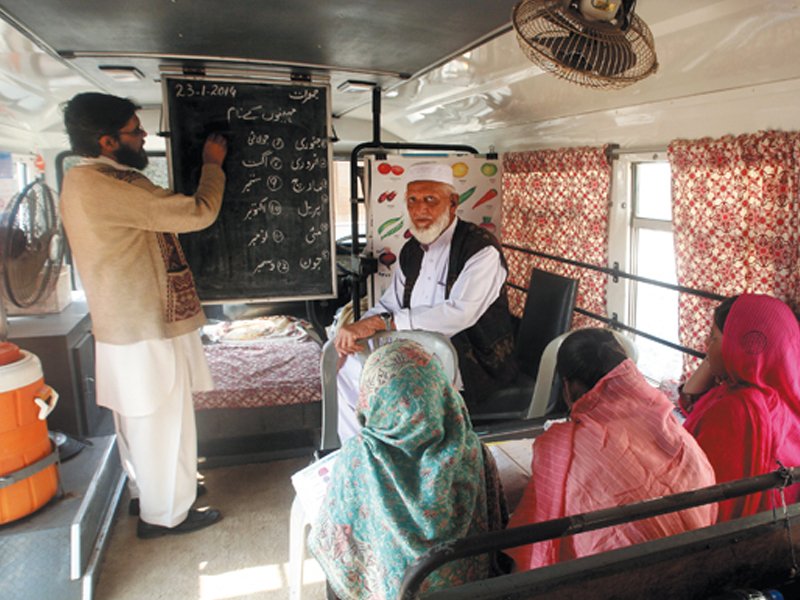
311	483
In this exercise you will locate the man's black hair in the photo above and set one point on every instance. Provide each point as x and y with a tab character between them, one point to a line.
90	115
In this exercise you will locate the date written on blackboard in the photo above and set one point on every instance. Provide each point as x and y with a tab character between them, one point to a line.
189	90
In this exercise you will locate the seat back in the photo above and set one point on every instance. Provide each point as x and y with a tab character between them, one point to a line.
547	314
697	564
434	343
547	390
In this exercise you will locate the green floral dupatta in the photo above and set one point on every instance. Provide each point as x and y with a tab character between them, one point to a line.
413	478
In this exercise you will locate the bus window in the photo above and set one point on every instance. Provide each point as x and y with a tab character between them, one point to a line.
23	172
156	170
341	200
654	309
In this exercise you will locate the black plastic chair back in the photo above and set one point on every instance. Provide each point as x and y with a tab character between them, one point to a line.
547	314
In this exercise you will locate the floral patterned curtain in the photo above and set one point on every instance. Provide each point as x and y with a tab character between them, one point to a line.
735	217
556	202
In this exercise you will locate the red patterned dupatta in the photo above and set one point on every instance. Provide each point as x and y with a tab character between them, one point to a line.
556	202
750	422
736	217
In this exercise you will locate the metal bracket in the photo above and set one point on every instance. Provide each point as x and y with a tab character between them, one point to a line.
194	71
368	265
615	272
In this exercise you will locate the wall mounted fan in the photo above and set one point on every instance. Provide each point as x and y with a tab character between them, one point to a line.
600	44
31	248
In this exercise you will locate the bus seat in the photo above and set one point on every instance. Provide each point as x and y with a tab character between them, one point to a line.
547	390
749	552
547	314
435	343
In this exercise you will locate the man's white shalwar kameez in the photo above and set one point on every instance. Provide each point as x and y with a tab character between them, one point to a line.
478	285
148	385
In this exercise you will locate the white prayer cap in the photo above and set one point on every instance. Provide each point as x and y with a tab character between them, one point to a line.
430	171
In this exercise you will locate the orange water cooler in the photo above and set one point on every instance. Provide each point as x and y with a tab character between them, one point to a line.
28	473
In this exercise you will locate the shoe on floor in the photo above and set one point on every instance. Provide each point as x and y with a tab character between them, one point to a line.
133	505
195	520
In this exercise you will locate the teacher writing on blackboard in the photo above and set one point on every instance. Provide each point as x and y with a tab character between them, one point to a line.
142	299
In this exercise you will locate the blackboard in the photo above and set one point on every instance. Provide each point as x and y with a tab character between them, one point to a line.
273	238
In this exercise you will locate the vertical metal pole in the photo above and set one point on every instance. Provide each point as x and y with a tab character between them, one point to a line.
376	115
355	278
355	248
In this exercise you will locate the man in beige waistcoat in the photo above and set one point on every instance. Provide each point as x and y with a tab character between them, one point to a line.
145	310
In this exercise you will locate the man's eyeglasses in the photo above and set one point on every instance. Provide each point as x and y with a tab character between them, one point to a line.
137	132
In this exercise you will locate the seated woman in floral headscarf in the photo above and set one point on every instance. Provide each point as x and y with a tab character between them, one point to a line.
622	444
412	478
750	419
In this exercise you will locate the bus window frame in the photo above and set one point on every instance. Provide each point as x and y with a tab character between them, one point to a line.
625	229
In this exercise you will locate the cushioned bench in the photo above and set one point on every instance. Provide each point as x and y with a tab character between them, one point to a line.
267	390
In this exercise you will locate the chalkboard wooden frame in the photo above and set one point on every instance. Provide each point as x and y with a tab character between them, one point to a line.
274	238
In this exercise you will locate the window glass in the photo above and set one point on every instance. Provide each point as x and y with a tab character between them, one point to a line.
341	201
156	170
10	179
652	189
656	308
22	178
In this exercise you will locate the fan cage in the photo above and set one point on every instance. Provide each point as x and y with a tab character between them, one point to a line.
32	246
592	54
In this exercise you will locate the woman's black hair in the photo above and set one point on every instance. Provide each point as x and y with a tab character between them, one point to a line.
588	355
89	116
721	312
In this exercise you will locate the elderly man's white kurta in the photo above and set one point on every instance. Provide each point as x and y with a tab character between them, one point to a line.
478	285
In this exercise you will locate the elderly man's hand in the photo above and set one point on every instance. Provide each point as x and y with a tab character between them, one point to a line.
348	337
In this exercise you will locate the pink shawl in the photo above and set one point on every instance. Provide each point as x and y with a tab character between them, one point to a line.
622	445
752	421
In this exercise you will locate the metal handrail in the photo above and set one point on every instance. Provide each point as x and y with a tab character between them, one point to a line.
518	536
616	273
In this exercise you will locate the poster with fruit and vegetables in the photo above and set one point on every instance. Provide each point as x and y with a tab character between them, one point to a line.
477	182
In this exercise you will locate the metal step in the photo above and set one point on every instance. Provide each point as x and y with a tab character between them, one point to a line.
55	553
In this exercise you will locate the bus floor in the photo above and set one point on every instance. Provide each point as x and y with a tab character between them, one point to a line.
245	556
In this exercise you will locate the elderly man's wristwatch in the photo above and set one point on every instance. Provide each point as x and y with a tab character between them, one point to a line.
387	320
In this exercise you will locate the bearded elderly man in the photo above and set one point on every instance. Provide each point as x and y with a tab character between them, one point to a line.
450	279
141	295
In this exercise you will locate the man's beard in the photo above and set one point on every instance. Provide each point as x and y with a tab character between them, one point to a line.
431	232
131	158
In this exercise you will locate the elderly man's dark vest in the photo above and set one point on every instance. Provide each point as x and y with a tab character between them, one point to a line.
485	350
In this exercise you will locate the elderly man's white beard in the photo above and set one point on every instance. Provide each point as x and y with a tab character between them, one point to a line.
431	232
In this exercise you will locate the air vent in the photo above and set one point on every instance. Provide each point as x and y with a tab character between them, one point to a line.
122	74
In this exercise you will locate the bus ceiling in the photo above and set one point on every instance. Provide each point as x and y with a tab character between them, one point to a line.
451	72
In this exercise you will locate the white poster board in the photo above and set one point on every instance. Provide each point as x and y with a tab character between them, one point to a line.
477	181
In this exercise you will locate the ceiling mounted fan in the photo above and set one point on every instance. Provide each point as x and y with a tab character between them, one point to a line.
600	44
